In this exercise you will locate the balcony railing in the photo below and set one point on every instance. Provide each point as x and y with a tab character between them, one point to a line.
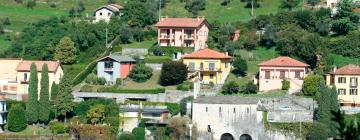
108	69
166	36
189	36
204	69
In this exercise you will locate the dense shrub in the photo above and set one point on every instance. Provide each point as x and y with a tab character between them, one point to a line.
87	88
111	108
114	122
58	128
174	108
140	73
91	78
169	51
240	66
126	136
231	88
194	6
183	103
173	73
16	118
311	84
139	133
185	86
11	103
285	84
250	88
79	78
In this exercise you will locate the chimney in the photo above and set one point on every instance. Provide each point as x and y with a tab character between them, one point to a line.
226	54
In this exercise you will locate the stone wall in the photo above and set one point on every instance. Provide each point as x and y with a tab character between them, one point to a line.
135	51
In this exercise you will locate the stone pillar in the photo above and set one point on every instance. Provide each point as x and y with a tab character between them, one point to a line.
182	37
159	33
170	37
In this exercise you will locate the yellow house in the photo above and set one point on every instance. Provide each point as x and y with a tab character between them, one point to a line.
208	66
23	74
15	73
345	79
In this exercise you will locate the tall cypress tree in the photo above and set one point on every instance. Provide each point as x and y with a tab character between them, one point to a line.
325	106
334	107
63	102
44	108
32	105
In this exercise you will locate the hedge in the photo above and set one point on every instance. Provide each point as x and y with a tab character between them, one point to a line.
79	78
138	91
169	51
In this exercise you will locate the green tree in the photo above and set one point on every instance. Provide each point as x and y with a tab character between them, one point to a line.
250	88
139	13
318	131
311	84
72	12
345	19
290	4
65	51
54	90
177	128
125	34
240	66
173	73
231	88
16	118
285	84
126	136
194	6
138	34
313	2
44	108
269	37
346	129
63	103
139	133
140	73
96	114
324	114
30	4
32	105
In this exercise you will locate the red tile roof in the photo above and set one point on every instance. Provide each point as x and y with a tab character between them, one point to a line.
350	69
283	61
181	22
25	65
207	53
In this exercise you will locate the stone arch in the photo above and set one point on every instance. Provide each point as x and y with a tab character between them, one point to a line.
226	136
245	137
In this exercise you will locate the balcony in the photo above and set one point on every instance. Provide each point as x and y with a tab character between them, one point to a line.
210	69
108	69
189	36
166	36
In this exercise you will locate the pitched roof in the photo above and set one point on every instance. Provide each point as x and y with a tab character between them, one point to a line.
25	65
111	7
207	53
181	22
118	58
226	100
284	61
350	69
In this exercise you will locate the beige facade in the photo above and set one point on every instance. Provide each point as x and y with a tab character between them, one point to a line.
23	80
345	79
270	78
183	35
15	73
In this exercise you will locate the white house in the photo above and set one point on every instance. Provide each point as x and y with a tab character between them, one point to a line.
105	12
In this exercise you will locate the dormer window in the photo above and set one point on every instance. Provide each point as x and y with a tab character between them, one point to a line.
25	77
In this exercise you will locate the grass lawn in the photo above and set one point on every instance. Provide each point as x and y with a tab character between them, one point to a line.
149	84
340	60
4	44
34	130
143	44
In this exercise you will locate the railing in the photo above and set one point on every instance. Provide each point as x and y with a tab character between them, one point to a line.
188	36
108	69
204	69
166	36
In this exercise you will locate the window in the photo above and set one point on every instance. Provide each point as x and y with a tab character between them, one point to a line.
282	74
199	33
209	128
267	74
211	66
109	14
205	33
211	76
226	65
341	79
353	81
341	91
108	64
25	76
297	74
234	110
206	109
353	91
191	66
100	13
219	109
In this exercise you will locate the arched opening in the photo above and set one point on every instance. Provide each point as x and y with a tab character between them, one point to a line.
245	137
226	136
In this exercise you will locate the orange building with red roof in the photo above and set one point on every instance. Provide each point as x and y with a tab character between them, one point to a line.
183	32
274	71
208	66
345	79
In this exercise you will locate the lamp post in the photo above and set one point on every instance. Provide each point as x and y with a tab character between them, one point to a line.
190	126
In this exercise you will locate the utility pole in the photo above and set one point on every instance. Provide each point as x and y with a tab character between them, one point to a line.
159	10
252	7
106	37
